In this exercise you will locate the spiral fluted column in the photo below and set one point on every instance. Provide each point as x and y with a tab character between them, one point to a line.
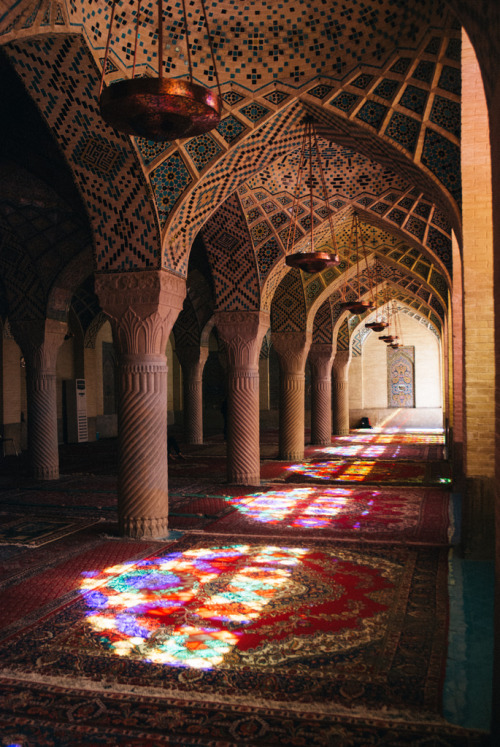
40	341
192	359
142	307
320	360
241	333
292	349
340	393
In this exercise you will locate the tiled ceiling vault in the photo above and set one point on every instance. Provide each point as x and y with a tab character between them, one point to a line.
381	79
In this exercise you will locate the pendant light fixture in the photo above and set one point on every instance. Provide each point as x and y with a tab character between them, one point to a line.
358	305
311	261
159	108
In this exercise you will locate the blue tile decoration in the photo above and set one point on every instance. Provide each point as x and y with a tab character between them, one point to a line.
105	164
372	113
260	231
323	211
406	203
169	180
202	150
150	149
446	114
366	201
254	111
397	216
442	157
232	97
321	91
424	71
288	312
230	128
414	98
422	209
269	206
253	215
403	130
279	219
441	245
380	208
345	101
313	290
267	255
362	81
285	200
416	227
276	97
401	65
438	282
386	89
450	80
306	222
440	220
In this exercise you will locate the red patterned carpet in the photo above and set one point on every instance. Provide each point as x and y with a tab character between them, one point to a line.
414	515
301	615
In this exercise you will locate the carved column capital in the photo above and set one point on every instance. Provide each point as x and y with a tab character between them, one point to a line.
292	349
142	307
39	340
241	333
341	364
192	359
320	359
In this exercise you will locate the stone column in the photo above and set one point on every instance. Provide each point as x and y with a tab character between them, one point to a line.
321	359
241	333
142	307
40	341
292	349
340	393
192	359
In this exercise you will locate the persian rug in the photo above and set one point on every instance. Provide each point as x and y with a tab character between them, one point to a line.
38	530
275	626
34	585
368	471
411	515
403	452
51	715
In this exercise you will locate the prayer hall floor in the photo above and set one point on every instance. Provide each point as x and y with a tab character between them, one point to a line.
58	537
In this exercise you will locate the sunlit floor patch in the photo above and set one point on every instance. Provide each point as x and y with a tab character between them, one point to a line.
396	437
359	471
316	508
217	606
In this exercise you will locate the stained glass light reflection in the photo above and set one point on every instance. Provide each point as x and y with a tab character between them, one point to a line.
186	609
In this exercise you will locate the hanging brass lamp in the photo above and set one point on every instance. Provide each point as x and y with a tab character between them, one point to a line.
311	261
358	305
161	108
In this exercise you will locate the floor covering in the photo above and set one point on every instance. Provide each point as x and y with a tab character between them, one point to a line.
296	613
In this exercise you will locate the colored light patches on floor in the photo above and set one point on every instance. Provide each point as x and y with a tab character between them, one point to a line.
358	471
343	508
377	451
397	437
185	609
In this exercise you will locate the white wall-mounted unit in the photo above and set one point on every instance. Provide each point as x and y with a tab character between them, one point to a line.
76	411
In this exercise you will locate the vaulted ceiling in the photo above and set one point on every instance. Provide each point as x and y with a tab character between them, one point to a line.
381	79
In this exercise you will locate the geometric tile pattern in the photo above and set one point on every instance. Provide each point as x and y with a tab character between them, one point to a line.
202	149
103	162
169	180
322	325
442	157
288	310
267	254
232	259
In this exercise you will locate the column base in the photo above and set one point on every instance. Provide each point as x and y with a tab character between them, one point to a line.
46	473
292	456
143	528
244	479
